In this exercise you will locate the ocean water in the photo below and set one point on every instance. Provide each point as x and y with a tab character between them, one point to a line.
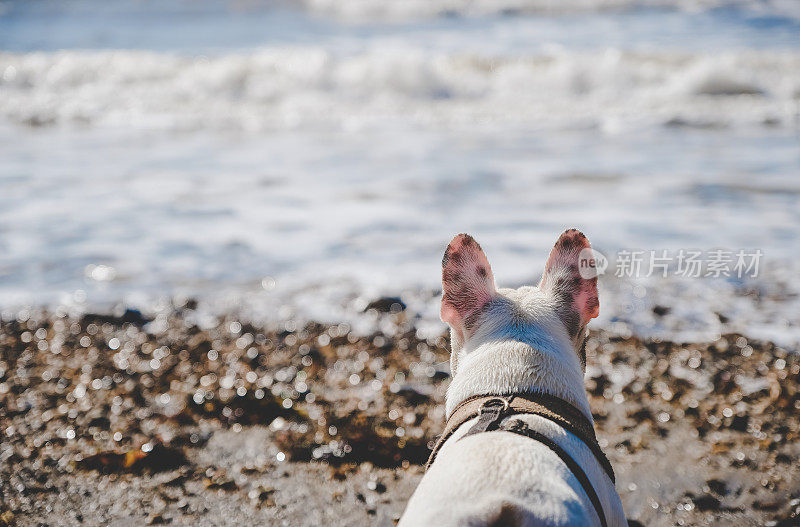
300	159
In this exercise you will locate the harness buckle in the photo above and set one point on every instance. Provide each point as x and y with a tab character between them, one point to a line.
495	401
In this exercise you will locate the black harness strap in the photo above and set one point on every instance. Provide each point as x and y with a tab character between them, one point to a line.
490	408
492	412
518	427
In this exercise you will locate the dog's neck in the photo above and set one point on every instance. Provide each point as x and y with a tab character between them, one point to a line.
518	360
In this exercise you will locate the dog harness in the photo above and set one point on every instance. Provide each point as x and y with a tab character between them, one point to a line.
492	409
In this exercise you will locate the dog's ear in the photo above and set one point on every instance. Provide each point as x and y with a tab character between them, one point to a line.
467	284
571	277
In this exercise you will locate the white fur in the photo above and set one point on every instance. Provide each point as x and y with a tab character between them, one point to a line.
501	478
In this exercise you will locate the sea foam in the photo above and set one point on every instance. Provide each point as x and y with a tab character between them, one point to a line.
289	88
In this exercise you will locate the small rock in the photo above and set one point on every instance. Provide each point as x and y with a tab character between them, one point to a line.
717	486
387	304
158	519
660	310
706	502
739	423
263	496
220	482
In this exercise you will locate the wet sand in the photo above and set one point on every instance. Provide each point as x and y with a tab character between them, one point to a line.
122	420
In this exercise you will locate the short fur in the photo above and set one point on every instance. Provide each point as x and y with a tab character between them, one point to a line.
507	341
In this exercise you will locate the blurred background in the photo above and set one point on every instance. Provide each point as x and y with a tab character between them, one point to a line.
221	228
299	159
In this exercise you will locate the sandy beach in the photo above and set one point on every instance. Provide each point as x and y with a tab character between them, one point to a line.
122	420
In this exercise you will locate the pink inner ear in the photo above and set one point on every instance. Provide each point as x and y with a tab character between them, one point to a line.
562	275
467	283
449	315
587	303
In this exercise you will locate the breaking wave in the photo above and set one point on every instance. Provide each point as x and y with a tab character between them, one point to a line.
285	88
414	9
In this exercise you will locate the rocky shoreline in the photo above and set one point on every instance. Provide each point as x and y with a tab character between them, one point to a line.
123	420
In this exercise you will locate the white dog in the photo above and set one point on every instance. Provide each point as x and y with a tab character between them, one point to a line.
518	466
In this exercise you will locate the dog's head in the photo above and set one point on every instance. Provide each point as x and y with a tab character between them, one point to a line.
564	301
